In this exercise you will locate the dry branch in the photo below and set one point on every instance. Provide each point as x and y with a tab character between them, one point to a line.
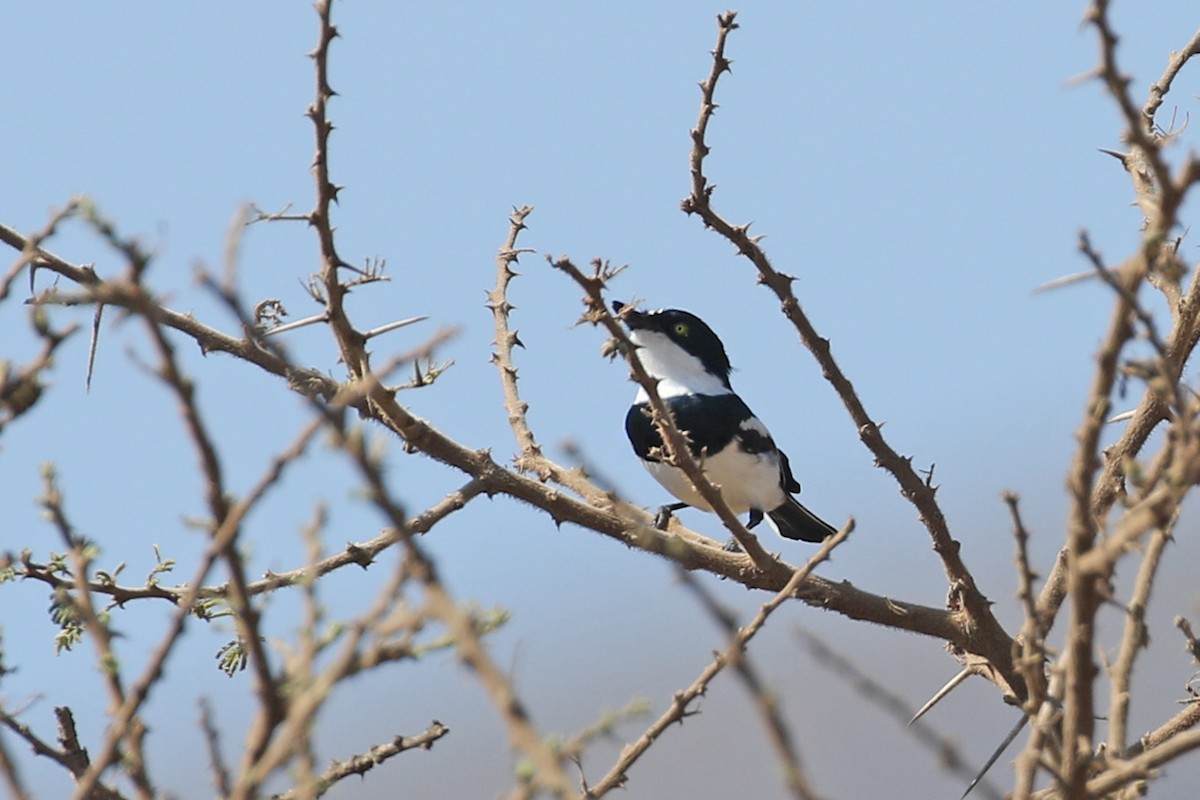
678	709
970	608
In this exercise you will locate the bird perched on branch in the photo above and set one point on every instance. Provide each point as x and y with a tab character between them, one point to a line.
733	447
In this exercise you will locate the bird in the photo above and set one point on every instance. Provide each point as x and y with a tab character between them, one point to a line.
732	445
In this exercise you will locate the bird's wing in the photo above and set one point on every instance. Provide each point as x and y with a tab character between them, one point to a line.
789	481
710	423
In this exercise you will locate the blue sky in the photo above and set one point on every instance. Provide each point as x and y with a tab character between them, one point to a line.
920	168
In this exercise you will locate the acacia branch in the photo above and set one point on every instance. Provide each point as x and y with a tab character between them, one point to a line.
219	541
1135	638
507	338
70	755
362	554
1123	773
125	295
601	513
884	697
1181	722
1160	198
678	709
1093	488
971	608
765	702
363	763
81	607
1032	645
461	626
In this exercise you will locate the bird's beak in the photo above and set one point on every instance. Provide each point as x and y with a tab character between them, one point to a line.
632	318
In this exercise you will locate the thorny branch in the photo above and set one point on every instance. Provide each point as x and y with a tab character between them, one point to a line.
1079	572
365	762
765	702
678	710
878	694
1083	574
970	608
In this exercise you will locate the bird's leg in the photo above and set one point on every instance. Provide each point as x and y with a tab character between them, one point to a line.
663	517
732	546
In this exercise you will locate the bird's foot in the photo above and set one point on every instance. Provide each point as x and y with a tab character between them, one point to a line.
663	517
732	546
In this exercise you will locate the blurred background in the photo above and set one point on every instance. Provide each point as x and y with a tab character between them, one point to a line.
920	168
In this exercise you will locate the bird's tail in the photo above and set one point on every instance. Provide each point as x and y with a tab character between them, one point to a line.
794	521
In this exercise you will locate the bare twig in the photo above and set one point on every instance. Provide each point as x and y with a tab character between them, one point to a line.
1032	656
1160	200
530	458
1135	638
1093	491
946	751
10	775
778	731
463	629
30	248
971	607
1077	660
363	763
507	338
82	608
70	755
1137	768
604	727
220	540
212	741
1185	720
680	702
20	389
1192	644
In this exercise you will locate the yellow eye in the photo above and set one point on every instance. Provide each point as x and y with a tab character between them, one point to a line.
681	329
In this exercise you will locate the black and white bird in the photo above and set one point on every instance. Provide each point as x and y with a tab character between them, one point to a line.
733	446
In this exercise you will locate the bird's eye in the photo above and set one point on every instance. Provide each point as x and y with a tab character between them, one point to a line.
681	329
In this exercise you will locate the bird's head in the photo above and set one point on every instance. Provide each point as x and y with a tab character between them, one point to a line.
679	349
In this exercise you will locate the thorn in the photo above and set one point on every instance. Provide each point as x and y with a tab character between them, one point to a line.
391	326
95	342
1065	280
996	755
941	693
1122	157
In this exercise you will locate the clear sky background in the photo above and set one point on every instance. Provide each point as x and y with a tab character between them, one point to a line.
920	167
